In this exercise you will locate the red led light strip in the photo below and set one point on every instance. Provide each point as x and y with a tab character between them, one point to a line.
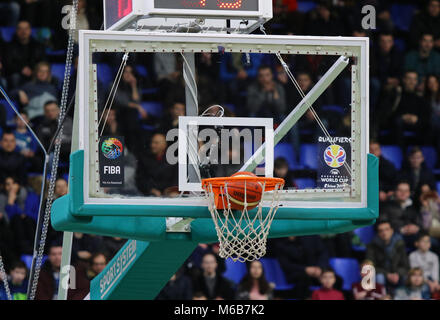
229	5
194	4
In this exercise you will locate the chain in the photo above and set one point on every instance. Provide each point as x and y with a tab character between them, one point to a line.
5	278
56	156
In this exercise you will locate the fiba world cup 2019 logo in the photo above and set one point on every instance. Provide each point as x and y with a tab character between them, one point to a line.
112	148
334	156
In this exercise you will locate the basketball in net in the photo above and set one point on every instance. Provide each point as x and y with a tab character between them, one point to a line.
235	204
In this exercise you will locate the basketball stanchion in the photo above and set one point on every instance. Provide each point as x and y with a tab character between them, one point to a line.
242	232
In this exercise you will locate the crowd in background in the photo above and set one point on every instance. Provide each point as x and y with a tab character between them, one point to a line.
404	111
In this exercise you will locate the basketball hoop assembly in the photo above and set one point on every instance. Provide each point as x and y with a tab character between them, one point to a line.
242	233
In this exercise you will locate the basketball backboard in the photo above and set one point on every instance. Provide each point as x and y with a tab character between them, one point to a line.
329	169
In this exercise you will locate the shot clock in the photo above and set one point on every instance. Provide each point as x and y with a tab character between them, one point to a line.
120	12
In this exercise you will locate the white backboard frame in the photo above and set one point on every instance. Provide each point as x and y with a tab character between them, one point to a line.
186	122
131	41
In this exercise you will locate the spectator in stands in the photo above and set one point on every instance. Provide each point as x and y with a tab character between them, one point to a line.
49	125
211	283
14	197
430	212
416	172
324	21
238	71
26	143
6	241
432	97
254	285
412	113
415	287
61	188
281	170
128	98
266	98
327	292
199	296
12	163
9	13
3	116
178	288
35	94
427	21
387	62
47	288
17	282
402	213
387	173
98	262
194	262
112	126
286	18
302	259
426	260
14	202
388	253
307	123
83	247
84	273
169	78
359	293
210	88
171	118
23	54
426	60
154	173
82	18
111	245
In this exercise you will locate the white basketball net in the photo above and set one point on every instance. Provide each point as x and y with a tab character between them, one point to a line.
242	234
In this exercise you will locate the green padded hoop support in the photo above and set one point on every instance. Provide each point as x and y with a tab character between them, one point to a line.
148	223
145	263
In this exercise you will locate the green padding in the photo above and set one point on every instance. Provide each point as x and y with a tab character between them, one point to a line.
140	270
127	224
203	229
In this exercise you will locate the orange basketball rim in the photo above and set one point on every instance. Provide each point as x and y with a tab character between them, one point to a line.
221	188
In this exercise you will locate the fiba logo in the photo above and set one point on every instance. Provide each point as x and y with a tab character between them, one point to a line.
334	156
112	148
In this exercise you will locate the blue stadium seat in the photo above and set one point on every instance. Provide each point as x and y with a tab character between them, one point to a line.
231	107
402	15
366	234
235	271
347	269
430	156
149	90
306	6
286	151
393	154
333	108
58	70
400	44
142	70
8	33
309	156
275	274
153	108
105	74
10	113
305	183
